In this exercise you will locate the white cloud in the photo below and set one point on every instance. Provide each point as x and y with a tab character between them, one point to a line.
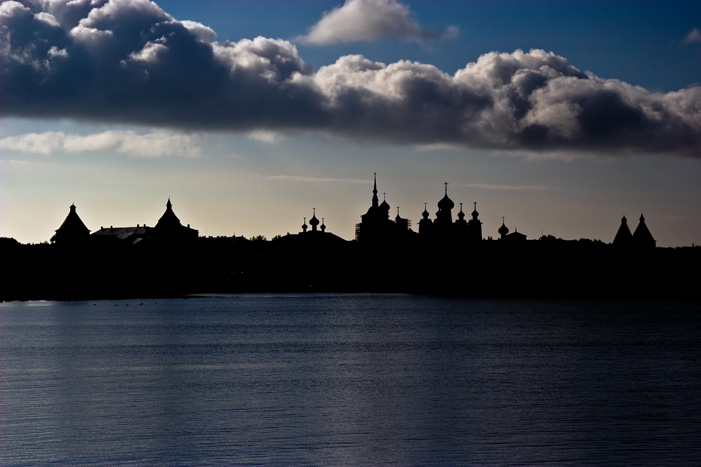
367	21
37	143
693	37
155	144
265	136
202	32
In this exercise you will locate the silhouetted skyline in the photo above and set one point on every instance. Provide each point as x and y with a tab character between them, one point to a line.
540	111
376	227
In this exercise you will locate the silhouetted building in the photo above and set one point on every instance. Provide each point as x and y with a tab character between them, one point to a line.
376	226
444	215
314	222
318	232
503	230
170	228
72	231
623	237
316	237
443	228
642	238
425	223
128	235
515	236
474	225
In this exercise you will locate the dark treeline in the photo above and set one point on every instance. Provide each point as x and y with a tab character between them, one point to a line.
323	263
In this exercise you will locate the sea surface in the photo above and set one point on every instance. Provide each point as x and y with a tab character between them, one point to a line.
350	380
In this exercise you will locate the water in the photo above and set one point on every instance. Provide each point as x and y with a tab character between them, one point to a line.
350	380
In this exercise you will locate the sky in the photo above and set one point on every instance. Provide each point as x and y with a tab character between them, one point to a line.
558	117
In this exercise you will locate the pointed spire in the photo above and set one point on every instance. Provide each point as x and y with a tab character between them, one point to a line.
375	201
642	236
168	204
623	236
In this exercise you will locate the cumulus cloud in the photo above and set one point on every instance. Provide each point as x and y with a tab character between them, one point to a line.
693	37
130	62
154	144
367	21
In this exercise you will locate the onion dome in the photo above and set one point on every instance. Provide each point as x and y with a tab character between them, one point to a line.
425	214
503	230
398	218
475	214
304	225
314	222
384	206
323	226
461	215
446	204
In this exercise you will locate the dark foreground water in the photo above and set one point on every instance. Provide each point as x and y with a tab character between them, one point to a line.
350	380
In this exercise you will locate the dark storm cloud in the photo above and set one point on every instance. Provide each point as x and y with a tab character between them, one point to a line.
128	61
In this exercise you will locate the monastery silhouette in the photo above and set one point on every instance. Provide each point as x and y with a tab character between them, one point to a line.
447	255
376	228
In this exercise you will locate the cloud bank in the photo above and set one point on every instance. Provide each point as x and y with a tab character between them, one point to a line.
367	21
131	62
155	144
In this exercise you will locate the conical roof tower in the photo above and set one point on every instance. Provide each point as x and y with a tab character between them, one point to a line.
623	236
72	230
168	220
642	237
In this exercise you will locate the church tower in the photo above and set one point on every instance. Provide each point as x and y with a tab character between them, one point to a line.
72	231
425	223
503	230
623	237
444	216
474	226
169	227
642	238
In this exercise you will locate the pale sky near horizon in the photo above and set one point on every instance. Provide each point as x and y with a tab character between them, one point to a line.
559	116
